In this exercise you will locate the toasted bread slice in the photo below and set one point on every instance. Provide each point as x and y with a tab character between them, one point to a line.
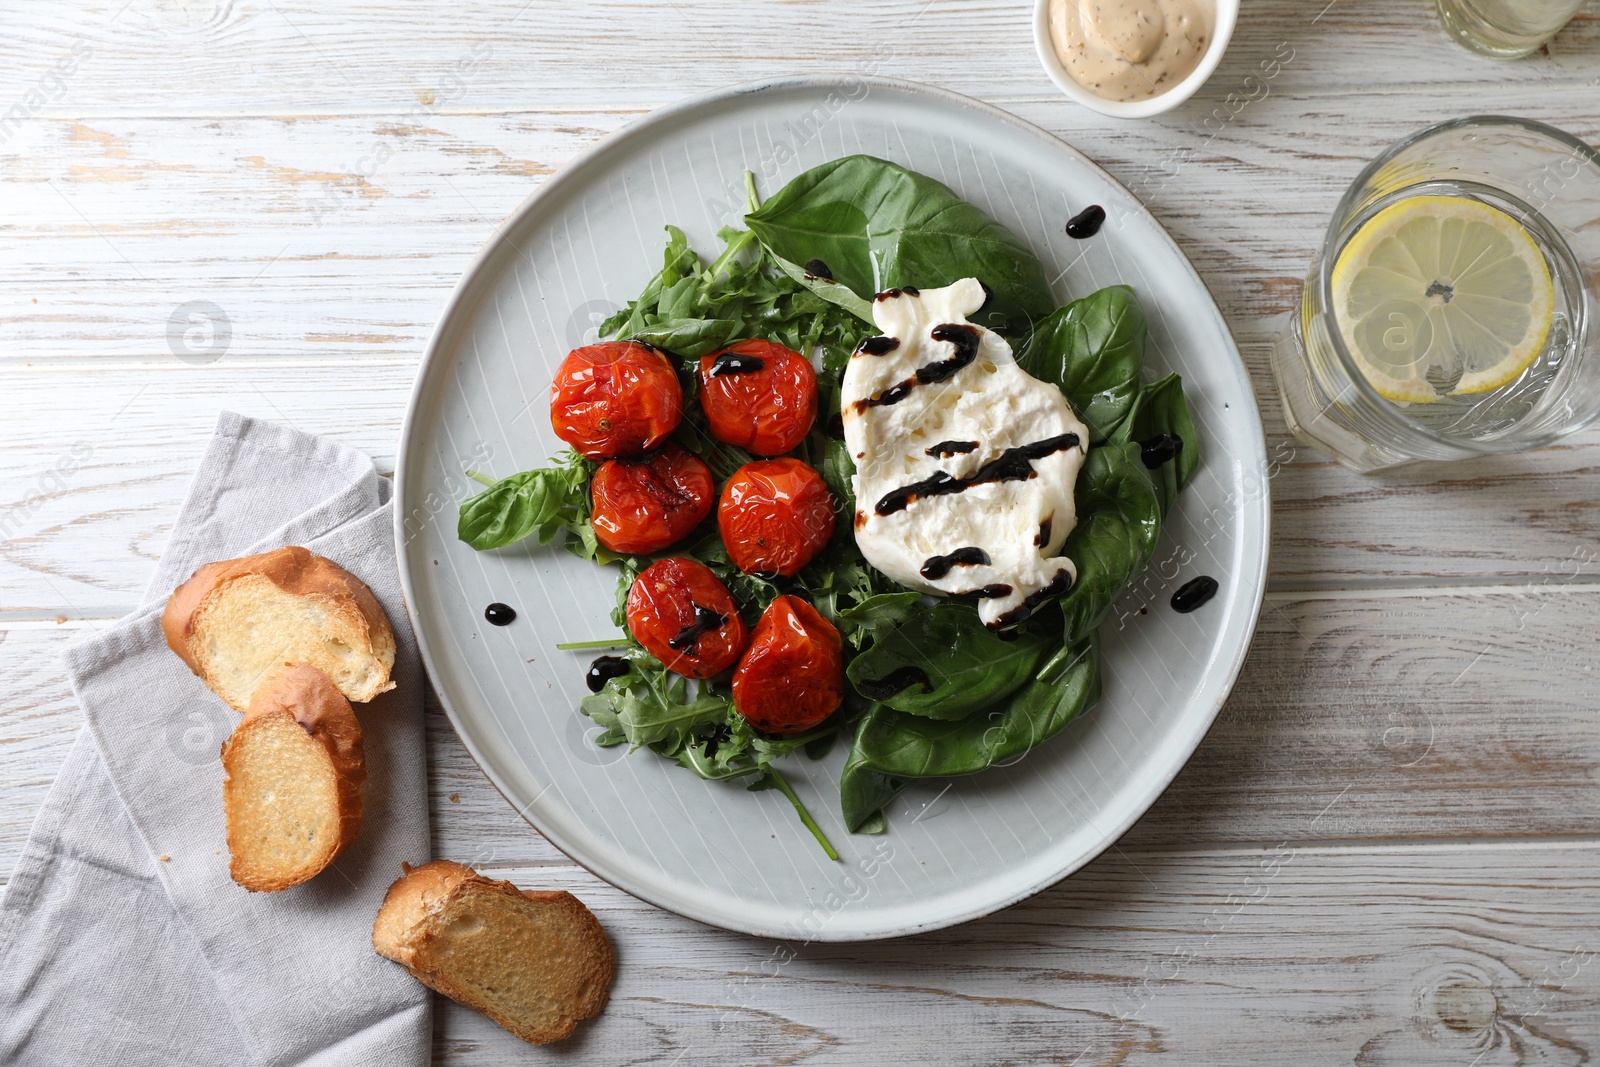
536	963
236	621
292	776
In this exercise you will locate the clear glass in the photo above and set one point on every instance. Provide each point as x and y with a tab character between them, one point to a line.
1547	181
1505	29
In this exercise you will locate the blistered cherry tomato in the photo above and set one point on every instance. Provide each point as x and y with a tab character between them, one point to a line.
616	398
758	395
643	505
775	516
684	616
792	676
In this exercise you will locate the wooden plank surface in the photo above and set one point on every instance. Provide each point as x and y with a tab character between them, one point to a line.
1473	718
293	57
1384	851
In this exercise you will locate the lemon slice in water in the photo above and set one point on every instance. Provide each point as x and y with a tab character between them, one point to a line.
1442	295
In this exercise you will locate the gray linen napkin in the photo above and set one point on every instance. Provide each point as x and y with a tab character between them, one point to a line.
122	938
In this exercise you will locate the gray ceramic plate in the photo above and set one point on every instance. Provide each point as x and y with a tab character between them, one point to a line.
585	242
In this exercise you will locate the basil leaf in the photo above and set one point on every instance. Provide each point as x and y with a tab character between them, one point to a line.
1161	409
1120	519
900	747
878	225
1093	350
539	501
864	791
966	666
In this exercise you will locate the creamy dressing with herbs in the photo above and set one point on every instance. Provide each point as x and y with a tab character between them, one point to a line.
1128	50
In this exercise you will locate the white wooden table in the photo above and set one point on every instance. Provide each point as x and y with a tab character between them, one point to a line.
1386	852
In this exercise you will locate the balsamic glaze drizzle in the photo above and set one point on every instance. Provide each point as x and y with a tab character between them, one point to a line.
890	294
1059	585
1013	465
950	448
818	269
878	346
896	680
1160	448
892	395
500	614
965	339
996	591
936	567
705	620
1194	593
735	363
1042	538
602	670
1087	222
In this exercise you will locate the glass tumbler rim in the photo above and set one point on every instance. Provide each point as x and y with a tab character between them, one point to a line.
1350	202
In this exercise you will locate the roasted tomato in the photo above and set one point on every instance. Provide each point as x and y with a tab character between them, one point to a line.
792	676
775	516
616	398
684	617
758	395
643	505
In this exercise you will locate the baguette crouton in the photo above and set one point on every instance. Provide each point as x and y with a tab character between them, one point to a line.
236	621
536	963
292	776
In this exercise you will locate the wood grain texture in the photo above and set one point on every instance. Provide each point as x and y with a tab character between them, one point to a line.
1384	852
1413	957
1473	718
296	56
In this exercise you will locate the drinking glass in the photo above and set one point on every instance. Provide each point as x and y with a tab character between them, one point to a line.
1548	182
1505	29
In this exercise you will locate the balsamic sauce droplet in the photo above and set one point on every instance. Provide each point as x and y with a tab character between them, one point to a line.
950	448
500	614
602	670
1087	222
705	620
893	682
735	363
1160	448
879	346
1194	593
818	269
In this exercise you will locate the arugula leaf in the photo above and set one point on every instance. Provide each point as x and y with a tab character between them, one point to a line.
649	706
966	666
1161	409
542	501
876	225
1119	520
900	747
1092	349
876	617
831	291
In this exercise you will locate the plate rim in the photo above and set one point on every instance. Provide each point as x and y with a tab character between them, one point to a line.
460	302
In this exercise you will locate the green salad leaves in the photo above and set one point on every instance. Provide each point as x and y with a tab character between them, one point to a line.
932	693
877	225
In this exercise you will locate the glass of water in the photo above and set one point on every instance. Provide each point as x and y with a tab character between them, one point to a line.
1448	313
1505	29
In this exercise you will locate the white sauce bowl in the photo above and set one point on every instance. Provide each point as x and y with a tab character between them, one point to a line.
1221	34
